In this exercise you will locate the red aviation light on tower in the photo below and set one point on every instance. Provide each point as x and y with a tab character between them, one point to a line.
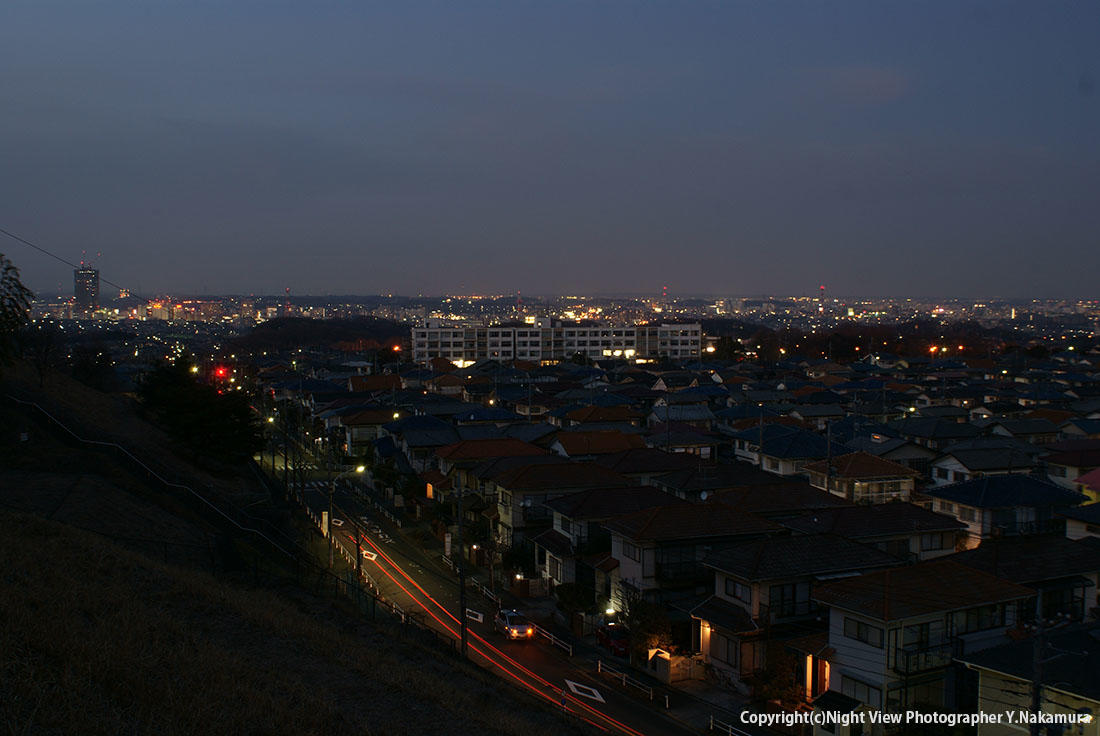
221	371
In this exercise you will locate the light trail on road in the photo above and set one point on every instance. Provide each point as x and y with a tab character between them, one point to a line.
559	691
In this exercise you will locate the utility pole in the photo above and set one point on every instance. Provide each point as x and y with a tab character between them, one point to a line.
461	573
1038	644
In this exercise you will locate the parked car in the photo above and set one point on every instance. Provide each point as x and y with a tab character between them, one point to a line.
614	637
514	624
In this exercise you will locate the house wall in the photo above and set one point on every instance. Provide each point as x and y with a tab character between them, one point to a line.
1078	529
998	693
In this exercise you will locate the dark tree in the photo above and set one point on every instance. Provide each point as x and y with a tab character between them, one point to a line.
200	417
15	302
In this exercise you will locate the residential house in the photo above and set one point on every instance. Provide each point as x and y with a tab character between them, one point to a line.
1064	572
894	633
1082	521
571	550
581	445
697	482
661	550
933	432
860	477
644	464
458	461
957	465
1037	431
904	530
1070	460
1004	505
1070	682
522	491
762	592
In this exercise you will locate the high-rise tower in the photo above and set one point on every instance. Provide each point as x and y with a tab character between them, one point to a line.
86	288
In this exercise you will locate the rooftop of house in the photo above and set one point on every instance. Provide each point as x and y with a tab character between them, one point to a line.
874	521
1006	491
604	503
935	586
559	477
993	458
1089	513
482	449
798	556
858	465
1032	559
646	460
689	521
1073	664
780	498
597	443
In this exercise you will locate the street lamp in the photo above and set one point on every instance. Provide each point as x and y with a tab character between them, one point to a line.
331	493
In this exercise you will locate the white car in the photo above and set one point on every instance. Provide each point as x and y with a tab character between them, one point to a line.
514	625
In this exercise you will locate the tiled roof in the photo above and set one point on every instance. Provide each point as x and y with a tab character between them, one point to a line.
559	477
1029	559
1089	513
603	414
800	555
871	521
861	465
992	459
487	448
1077	671
935	586
1006	491
779	499
555	542
598	443
689	521
604	503
646	460
724	615
378	382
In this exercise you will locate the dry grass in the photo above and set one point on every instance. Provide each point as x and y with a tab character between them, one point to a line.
97	639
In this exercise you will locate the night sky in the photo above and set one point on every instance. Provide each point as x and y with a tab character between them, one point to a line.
727	148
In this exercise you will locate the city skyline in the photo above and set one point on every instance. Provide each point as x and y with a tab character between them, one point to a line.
932	151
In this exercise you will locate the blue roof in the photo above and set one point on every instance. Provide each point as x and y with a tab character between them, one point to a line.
1007	491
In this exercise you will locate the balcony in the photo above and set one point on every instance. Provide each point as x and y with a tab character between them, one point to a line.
790	611
914	659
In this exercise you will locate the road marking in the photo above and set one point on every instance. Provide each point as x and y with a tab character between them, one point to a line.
585	692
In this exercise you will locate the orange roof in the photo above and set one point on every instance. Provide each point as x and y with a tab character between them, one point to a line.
598	443
861	465
485	449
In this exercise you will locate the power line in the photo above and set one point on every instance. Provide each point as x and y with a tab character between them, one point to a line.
56	257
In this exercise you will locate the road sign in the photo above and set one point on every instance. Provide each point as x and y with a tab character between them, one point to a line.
475	615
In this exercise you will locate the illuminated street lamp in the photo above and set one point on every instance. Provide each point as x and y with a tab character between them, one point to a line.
331	493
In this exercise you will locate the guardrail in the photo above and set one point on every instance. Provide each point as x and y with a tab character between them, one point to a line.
722	727
559	643
490	595
624	678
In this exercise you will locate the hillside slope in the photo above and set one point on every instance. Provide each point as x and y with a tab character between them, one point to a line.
95	638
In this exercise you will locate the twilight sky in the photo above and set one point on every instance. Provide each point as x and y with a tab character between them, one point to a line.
882	148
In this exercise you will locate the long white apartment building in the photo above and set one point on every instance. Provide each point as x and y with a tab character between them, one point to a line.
553	340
